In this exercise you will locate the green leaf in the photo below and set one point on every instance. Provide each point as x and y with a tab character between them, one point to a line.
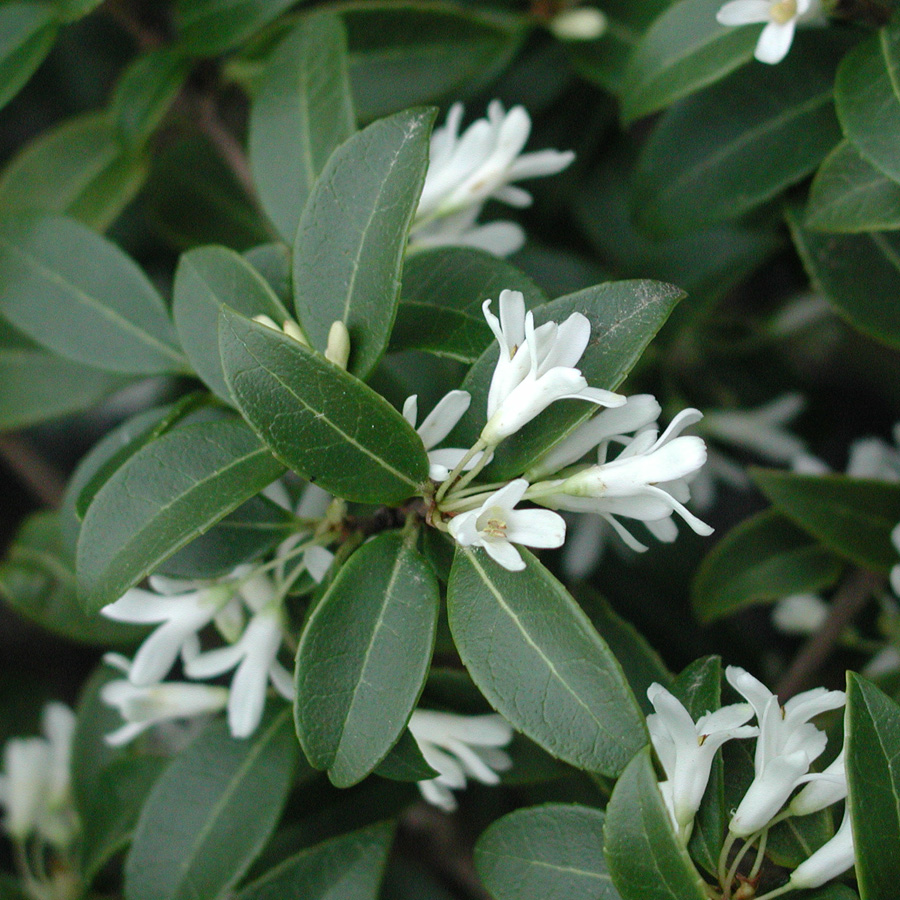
624	317
188	850
80	295
70	10
533	653
209	27
867	96
849	194
318	419
37	580
351	240
764	129
353	700
873	779
852	517
441	296
273	262
859	275
684	50
405	761
764	558
145	91
208	278
301	111
642	853
797	838
551	852
27	32
349	866
170	491
79	168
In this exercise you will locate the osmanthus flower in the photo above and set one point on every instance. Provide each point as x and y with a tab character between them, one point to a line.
828	788
833	858
686	750
459	746
496	525
801	614
788	744
536	367
781	18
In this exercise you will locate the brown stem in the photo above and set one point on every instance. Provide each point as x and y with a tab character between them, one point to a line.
854	592
42	479
146	38
224	141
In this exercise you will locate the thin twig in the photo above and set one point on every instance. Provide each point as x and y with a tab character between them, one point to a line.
854	592
146	38
227	146
41	478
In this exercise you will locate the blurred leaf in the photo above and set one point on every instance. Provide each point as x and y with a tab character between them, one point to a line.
70	10
534	655
441	297
684	50
79	168
764	129
319	420
80	295
873	780
852	517
849	194
171	490
301	111
348	255
273	262
353	699
183	851
209	27
551	852
642	853
764	558
27	32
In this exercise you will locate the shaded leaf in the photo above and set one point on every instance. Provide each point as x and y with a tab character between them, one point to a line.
209	27
27	32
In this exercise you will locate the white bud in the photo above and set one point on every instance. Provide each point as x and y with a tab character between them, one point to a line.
338	349
586	23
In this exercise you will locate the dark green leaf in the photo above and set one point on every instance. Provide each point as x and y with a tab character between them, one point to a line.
170	491
765	558
850	516
797	838
405	761
188	850
27	32
642	853
318	419
76	293
70	10
441	297
552	852
273	262
873	779
533	653
351	240
209	27
348	867
302	110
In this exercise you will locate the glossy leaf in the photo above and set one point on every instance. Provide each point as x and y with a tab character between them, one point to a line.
353	699
765	558
302	110
850	516
27	32
441	297
208	278
535	657
873	779
348	254
78	294
764	129
849	194
166	494
209	27
551	852
684	50
182	851
349	866
318	419
642	853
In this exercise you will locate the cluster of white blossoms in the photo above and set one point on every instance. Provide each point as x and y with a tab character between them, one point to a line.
647	479
781	18
787	744
466	170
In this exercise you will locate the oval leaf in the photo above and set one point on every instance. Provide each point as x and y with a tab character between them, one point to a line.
353	700
27	32
534	655
208	27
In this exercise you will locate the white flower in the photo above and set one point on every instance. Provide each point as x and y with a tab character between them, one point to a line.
436	426
831	859
535	368
686	749
800	614
22	785
828	788
781	16
457	746
501	238
584	23
788	743
496	525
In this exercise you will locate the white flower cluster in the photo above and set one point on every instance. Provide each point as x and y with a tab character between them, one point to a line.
787	743
781	18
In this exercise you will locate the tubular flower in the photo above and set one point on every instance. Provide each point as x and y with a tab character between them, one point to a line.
457	746
833	858
828	788
781	18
